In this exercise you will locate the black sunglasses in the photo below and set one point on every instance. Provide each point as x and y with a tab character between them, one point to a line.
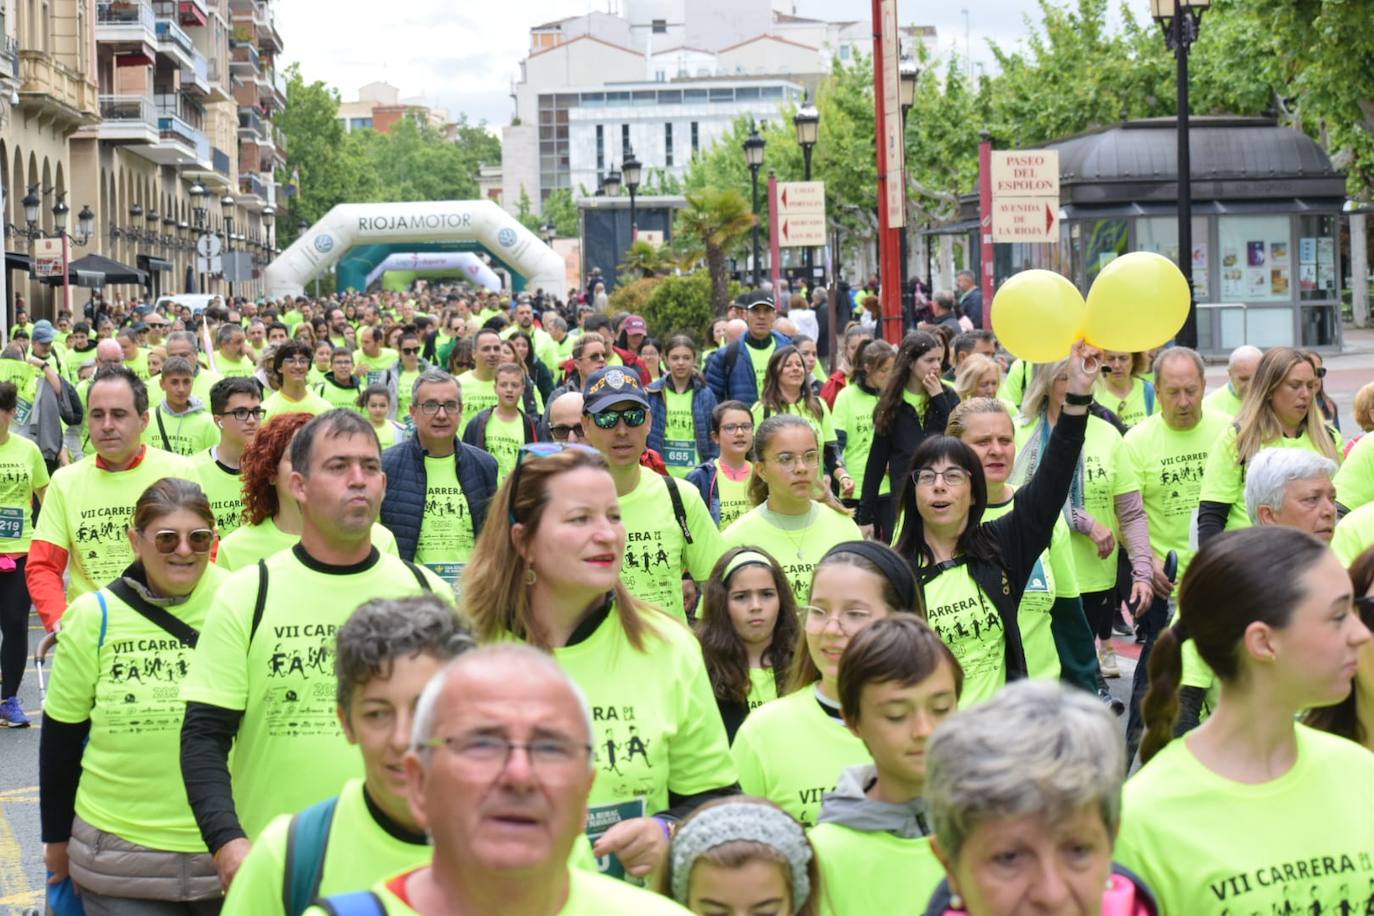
633	417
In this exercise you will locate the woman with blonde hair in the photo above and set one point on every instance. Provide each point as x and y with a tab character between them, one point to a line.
1280	410
978	376
546	570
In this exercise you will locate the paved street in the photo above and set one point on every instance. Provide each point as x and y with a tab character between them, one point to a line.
21	865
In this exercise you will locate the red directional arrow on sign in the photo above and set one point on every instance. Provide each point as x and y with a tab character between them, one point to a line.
784	197
784	222
1049	218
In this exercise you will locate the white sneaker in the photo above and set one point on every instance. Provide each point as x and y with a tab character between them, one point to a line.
1106	660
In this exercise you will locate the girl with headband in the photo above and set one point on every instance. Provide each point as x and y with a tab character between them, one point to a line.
747	628
742	855
855	583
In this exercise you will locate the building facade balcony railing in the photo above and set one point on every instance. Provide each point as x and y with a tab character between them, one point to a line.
49	84
128	109
251	183
172	128
220	159
244	58
250	122
193	12
125	22
171	36
9	55
196	78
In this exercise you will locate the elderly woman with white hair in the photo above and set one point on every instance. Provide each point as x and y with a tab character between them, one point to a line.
1024	793
1292	487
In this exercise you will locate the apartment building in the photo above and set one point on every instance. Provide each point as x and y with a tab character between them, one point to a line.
150	117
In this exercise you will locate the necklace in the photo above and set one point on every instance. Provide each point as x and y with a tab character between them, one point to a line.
790	523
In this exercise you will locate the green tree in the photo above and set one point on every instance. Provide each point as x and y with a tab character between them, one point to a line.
682	304
524	211
717	219
560	210
315	151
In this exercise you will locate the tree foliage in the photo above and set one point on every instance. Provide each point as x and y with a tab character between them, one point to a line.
681	304
713	223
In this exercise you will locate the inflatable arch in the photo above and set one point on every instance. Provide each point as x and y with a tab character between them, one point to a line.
465	261
481	222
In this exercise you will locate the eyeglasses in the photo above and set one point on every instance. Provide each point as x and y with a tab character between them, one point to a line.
410	351
805	459
1365	606
953	477
537	450
731	428
816	619
634	417
595	357
167	540
561	431
243	414
430	408
551	759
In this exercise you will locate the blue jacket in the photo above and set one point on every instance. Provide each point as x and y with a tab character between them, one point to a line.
703	402
403	506
703	477
740	386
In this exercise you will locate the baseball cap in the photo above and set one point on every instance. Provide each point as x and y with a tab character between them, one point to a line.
140	327
757	299
43	332
634	325
612	385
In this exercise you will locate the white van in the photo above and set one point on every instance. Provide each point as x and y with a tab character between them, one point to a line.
196	302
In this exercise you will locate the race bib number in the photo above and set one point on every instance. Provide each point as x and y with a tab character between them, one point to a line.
11	523
451	573
601	818
679	453
22	409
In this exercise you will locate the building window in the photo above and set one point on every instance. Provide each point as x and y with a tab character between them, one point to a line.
696	144
600	148
624	140
660	76
668	143
660	26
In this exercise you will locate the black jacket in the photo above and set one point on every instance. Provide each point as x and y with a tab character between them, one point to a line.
1017	539
891	451
403	506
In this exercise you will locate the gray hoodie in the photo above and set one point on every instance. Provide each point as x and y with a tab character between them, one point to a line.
849	806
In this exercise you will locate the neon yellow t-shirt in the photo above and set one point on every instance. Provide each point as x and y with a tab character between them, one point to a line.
278	403
476	396
1354	534
1355	479
1168	465
679	434
223	487
121	671
824	427
504	439
1130	410
202	383
405	387
243	367
88	510
1223	478
1013	387
733	496
1223	401
873	871
282	676
853	416
25	378
181	435
1033	614
376	366
247	544
791	752
388	434
345	396
657	725
797	542
758	358
656	553
139	365
1300	843
446	536
22	470
589	894
763	687
963	617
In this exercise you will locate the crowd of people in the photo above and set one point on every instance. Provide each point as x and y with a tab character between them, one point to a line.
455	602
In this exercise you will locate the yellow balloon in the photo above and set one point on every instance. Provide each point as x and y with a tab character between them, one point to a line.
1037	315
1137	302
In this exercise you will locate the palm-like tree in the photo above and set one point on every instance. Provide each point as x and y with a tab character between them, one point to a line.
717	220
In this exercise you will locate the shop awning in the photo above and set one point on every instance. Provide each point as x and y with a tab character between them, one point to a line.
17	260
150	263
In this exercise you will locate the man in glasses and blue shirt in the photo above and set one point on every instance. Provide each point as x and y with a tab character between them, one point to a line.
437	487
668	529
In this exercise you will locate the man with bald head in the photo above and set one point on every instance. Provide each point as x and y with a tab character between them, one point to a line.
1240	369
498	775
564	418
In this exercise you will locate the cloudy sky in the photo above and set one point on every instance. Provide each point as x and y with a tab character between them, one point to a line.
463	54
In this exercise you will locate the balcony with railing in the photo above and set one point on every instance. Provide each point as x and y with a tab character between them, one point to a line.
220	160
269	39
128	118
173	41
193	13
51	88
125	22
195	79
250	123
244	59
252	185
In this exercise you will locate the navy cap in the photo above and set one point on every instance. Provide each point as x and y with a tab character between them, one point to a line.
612	385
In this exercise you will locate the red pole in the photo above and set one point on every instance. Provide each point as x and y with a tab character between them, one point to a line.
891	184
774	261
985	226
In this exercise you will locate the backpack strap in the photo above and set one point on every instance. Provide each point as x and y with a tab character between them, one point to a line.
261	601
418	574
104	618
728	361
161	430
307	840
158	616
356	903
481	428
679	511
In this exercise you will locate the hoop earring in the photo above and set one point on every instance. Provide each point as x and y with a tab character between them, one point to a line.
530	577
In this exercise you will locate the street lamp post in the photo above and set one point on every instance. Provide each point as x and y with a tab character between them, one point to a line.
632	169
199	213
1180	20
753	156
226	206
907	75
807	122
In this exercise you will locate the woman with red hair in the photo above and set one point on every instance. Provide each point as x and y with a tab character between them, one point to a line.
272	517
